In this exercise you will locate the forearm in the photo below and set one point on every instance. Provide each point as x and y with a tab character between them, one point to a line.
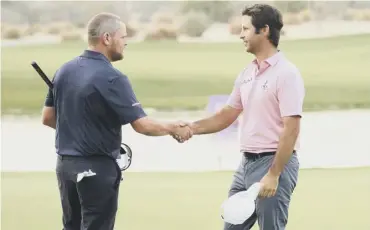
50	122
209	125
284	152
53	126
155	128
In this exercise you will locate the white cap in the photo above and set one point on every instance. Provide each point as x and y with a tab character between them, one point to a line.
240	206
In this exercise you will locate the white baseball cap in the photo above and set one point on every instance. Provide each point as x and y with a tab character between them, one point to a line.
240	206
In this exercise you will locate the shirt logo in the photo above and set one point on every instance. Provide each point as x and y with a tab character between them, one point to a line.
136	104
245	81
265	86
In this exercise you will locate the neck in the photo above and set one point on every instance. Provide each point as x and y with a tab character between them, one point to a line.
265	53
99	50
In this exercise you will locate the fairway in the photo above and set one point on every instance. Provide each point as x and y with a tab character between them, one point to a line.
169	75
324	199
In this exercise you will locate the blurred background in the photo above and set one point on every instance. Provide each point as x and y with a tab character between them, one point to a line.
182	59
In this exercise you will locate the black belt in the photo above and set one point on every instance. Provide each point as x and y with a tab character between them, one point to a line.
255	156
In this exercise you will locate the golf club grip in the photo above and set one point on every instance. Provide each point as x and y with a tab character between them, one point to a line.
42	74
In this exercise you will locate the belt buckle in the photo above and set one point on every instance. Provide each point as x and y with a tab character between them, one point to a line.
257	156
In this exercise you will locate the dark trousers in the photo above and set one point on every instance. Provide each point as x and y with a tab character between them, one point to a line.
90	204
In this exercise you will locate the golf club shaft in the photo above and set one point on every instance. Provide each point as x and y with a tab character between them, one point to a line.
42	74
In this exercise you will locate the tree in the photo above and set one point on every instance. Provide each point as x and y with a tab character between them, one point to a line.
291	6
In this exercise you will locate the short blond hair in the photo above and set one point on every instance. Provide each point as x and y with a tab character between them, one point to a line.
100	24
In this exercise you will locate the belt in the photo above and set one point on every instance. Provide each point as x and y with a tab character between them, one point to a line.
255	156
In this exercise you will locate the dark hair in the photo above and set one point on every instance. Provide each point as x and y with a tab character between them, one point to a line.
262	15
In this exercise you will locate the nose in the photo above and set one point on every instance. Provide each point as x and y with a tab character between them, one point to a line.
241	35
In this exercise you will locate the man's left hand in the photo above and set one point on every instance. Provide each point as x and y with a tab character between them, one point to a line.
269	185
183	132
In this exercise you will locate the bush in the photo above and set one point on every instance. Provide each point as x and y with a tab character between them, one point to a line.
131	30
163	18
162	32
292	19
217	11
365	15
290	6
357	14
71	36
195	24
348	15
305	15
33	29
235	25
163	26
59	28
4	27
12	33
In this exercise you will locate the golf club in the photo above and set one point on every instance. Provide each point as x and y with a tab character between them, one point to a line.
42	74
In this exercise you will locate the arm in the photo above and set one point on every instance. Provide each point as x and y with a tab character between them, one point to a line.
150	127
48	112
223	118
286	144
219	121
120	96
291	96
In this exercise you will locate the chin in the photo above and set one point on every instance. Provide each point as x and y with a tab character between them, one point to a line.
246	48
117	58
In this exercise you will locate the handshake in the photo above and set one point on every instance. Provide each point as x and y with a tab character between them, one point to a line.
182	131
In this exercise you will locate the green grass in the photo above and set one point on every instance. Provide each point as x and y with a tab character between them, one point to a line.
168	75
324	199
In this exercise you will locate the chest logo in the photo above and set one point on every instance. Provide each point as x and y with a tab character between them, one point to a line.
265	86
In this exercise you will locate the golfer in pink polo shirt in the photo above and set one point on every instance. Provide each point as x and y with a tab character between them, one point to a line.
269	94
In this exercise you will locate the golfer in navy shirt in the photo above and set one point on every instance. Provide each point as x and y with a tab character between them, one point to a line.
90	102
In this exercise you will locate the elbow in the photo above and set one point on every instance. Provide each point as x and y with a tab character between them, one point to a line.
48	121
141	126
140	129
48	117
45	121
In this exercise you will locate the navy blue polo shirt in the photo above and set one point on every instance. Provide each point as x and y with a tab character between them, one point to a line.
92	100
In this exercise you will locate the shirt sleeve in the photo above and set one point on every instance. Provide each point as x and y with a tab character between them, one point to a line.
49	100
235	100
119	95
291	94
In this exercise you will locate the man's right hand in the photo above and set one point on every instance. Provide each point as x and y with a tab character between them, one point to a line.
182	131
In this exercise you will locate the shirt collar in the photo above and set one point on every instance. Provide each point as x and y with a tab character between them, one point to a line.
94	55
271	61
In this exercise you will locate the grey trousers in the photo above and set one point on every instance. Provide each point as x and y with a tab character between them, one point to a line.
272	212
91	203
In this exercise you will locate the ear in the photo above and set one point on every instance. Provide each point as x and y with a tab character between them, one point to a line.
106	39
266	30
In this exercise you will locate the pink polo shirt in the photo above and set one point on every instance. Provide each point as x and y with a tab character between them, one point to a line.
266	93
